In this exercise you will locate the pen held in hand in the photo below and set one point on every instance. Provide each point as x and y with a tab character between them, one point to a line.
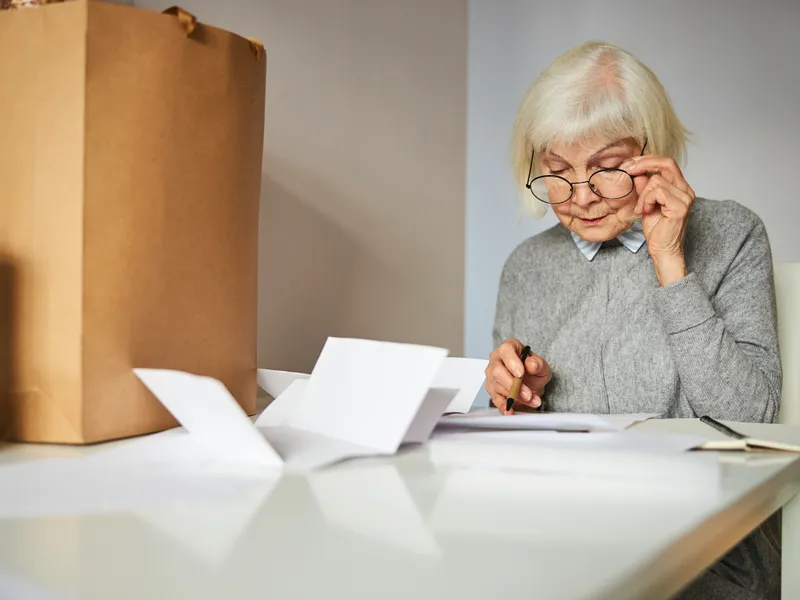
517	383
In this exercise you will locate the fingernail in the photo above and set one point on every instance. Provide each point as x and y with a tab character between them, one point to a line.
526	394
519	372
536	401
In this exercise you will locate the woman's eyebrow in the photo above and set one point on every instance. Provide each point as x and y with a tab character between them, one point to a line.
552	156
619	144
596	155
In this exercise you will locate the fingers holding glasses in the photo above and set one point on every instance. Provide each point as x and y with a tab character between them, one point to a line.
666	167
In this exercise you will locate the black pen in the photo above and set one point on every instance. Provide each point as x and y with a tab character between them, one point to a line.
526	352
722	428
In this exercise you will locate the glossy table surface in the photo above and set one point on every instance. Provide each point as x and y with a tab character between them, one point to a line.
409	526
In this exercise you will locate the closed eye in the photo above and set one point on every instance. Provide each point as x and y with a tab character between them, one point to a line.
559	172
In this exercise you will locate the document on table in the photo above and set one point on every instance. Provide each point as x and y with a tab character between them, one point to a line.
465	376
315	420
616	455
493	419
623	441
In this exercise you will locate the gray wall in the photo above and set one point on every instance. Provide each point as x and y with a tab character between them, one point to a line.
362	216
730	66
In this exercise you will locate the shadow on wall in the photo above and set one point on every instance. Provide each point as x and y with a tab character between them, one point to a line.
306	269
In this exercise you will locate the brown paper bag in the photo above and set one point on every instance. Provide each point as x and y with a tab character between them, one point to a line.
129	192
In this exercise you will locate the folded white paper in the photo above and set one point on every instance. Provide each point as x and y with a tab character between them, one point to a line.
367	393
492	419
280	409
276	382
207	411
466	375
363	398
461	378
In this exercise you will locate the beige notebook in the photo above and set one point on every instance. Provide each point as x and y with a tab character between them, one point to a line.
728	438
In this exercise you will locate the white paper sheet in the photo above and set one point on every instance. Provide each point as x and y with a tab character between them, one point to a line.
367	393
622	455
465	375
492	419
174	445
435	403
307	451
281	408
207	410
364	398
276	382
623	441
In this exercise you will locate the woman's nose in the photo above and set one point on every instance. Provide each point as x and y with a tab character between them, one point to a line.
583	194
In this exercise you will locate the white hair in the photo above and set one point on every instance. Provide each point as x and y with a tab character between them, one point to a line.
594	90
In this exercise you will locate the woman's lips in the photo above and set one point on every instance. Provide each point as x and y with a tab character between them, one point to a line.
592	222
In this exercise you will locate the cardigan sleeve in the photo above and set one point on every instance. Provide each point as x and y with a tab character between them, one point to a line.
725	345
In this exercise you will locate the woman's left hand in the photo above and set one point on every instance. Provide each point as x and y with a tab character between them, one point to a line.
665	200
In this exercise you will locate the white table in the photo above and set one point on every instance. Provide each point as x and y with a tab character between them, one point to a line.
407	528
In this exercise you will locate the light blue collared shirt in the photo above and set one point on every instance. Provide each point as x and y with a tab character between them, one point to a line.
632	239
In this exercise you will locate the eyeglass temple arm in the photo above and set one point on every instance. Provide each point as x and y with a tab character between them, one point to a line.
530	171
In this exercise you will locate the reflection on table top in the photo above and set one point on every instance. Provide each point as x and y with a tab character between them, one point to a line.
390	528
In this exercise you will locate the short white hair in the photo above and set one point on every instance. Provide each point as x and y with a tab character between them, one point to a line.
594	90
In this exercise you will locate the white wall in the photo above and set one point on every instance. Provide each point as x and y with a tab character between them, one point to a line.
730	66
361	228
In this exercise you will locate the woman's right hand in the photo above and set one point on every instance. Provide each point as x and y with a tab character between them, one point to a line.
504	365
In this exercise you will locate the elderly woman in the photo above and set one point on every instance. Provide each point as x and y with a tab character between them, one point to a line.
644	298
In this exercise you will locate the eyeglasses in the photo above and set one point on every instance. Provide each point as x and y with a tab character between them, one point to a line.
611	184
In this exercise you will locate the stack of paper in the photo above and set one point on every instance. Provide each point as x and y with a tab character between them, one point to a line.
493	420
619	454
364	398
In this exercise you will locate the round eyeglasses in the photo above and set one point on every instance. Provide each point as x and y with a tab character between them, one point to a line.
611	184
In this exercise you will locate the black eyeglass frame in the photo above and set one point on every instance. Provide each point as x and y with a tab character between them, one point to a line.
572	184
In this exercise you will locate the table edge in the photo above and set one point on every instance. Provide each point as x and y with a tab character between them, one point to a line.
682	561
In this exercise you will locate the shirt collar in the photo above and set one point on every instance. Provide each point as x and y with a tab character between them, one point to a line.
633	239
